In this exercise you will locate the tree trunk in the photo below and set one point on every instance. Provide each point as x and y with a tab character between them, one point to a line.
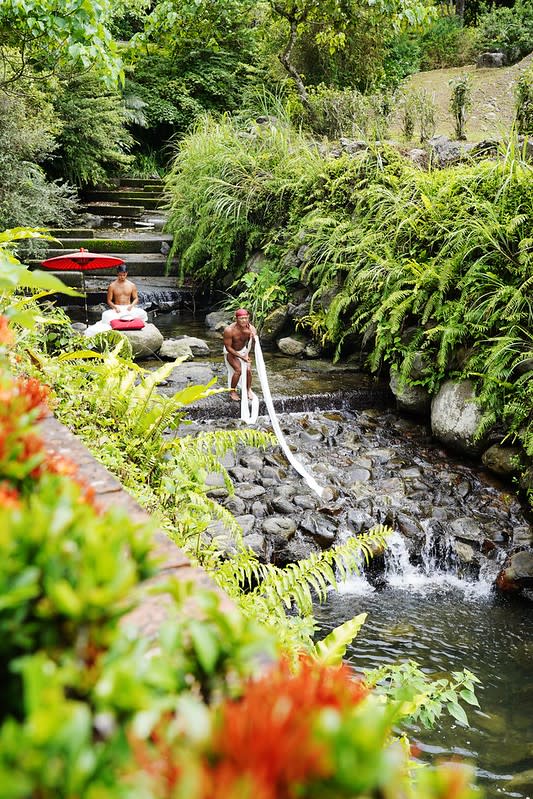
460	8
285	58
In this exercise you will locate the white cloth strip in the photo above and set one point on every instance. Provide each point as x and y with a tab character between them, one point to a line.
248	414
267	396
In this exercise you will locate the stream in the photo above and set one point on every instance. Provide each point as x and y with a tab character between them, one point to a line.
431	597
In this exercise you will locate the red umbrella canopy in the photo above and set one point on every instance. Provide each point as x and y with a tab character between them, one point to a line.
82	260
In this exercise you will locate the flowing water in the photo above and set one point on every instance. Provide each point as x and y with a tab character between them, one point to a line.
426	612
446	624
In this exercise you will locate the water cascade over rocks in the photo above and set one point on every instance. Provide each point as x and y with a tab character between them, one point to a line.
449	517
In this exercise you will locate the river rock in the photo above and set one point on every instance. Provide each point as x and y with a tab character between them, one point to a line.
246	522
197	345
412	399
280	527
191	373
517	573
455	417
235	505
305	501
256	542
467	529
217	320
173	348
79	327
291	346
282	505
274	324
500	459
145	343
249	491
464	552
490	60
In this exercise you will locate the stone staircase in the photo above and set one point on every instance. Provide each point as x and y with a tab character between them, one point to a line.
127	202
129	220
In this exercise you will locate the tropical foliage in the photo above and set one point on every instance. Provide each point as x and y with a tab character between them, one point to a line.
90	707
403	262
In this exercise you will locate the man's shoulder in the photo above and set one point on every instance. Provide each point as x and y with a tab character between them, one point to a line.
229	328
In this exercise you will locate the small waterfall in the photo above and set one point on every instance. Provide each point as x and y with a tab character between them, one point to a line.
437	570
356	582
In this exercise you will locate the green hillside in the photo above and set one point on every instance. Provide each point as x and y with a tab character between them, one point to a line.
492	97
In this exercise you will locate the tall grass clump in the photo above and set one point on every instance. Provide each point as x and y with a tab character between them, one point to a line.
230	190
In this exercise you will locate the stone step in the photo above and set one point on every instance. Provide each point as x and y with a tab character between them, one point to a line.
114	210
112	246
109	197
121	196
72	233
135	183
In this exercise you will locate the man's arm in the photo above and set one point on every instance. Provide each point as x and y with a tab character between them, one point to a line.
110	298
134	297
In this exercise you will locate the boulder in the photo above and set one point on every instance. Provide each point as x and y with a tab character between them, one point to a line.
186	374
197	345
145	343
173	348
79	327
500	459
419	157
256	262
412	399
217	320
455	417
517	572
291	346
444	151
490	60
274	324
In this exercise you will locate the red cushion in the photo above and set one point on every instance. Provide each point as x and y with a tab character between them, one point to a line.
127	324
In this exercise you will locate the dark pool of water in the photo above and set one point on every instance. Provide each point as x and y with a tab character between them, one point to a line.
446	629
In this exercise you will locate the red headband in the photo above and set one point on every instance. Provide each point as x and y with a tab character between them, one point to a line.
241	312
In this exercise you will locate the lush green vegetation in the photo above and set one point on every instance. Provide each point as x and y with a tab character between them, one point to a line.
402	263
89	708
399	261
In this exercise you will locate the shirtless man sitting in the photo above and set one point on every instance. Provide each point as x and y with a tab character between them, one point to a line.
237	347
122	298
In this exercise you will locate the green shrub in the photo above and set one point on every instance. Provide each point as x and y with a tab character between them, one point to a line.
94	142
447	43
335	113
509	30
524	102
27	138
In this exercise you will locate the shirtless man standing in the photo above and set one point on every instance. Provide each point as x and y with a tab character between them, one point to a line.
236	349
122	297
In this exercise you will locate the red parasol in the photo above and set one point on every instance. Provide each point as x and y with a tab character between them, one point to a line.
82	260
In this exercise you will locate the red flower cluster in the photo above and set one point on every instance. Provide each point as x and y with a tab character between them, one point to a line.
9	496
268	737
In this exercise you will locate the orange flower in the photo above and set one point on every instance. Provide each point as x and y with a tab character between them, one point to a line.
268	734
6	335
9	496
35	394
157	759
57	464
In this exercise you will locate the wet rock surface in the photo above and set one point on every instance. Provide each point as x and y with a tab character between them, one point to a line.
379	468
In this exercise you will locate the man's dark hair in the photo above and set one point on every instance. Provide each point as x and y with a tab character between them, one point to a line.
122	268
